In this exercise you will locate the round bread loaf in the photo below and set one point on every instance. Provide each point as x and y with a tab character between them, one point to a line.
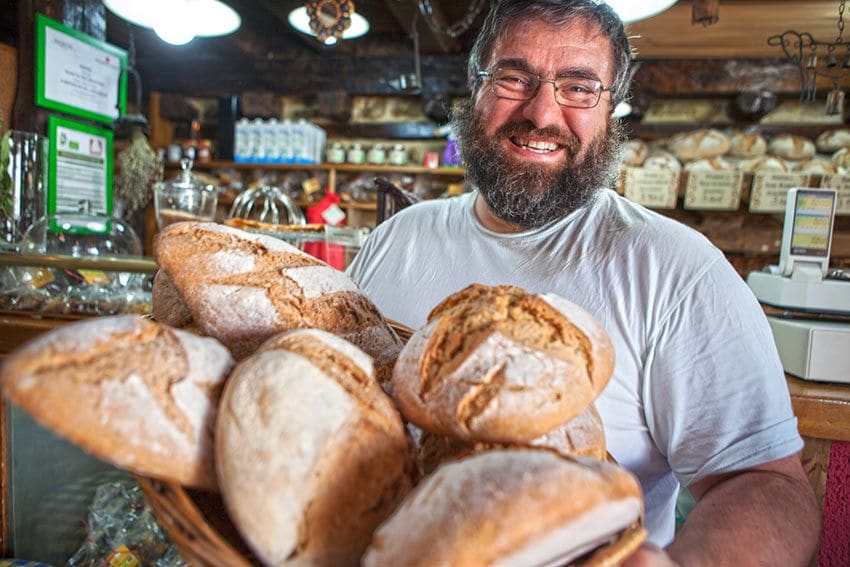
634	152
242	288
310	452
132	392
819	166
662	159
765	164
747	145
169	307
516	507
833	140
699	144
790	146
498	364
712	164
841	159
582	436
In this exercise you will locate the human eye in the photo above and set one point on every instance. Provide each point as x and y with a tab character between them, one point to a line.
514	80
578	86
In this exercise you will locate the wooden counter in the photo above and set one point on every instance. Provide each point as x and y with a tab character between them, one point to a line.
822	409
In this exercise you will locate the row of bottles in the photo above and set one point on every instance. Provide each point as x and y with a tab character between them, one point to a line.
278	141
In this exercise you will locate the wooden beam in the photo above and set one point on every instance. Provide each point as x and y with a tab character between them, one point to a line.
403	13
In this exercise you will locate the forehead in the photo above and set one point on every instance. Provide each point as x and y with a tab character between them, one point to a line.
555	50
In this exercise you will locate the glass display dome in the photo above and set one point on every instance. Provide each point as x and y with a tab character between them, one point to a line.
184	198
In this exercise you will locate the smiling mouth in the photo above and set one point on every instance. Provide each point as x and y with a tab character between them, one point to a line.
536	146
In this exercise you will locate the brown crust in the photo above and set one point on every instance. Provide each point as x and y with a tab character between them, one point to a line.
169	307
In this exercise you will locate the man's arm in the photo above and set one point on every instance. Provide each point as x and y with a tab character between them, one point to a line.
766	515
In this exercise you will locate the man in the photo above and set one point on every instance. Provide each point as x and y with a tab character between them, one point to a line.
698	396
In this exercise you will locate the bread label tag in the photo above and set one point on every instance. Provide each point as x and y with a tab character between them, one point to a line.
714	190
122	557
37	278
94	277
333	215
841	183
652	188
770	190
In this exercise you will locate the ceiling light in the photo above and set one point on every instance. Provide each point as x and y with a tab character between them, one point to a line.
299	20
178	21
631	11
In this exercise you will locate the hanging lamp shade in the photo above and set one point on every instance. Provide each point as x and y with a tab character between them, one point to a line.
179	21
329	21
634	10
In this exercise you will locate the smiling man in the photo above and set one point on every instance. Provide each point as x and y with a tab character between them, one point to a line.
698	395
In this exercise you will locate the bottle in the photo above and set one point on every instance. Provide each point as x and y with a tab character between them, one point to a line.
356	155
377	155
398	155
242	141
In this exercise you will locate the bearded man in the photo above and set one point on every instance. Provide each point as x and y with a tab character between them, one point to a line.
698	397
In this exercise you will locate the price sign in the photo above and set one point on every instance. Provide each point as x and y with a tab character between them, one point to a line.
652	188
841	183
769	192
714	190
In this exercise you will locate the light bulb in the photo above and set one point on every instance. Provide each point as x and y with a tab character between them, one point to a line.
174	32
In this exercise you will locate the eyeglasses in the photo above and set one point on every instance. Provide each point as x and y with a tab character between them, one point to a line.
575	92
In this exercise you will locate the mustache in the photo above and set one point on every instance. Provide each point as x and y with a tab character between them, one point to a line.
526	127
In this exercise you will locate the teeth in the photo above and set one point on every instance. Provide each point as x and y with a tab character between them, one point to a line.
538	146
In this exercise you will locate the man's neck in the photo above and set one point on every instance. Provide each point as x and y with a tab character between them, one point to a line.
490	221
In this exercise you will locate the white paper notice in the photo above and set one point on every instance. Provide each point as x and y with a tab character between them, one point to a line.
714	190
80	75
81	166
769	192
653	188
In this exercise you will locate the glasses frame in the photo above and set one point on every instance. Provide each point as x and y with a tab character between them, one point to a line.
489	75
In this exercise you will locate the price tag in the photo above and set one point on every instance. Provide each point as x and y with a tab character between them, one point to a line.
840	183
310	185
94	277
770	190
714	190
652	188
333	215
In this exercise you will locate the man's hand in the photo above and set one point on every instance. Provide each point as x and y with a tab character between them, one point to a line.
649	555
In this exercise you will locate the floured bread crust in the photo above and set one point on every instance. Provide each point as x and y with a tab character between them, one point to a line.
132	392
500	365
311	453
582	436
242	288
509	507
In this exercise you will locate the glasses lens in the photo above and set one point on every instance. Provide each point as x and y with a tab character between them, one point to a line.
514	84
580	93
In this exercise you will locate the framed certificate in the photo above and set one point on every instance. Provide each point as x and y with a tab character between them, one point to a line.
80	167
78	74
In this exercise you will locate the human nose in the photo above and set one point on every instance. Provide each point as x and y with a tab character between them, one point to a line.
542	109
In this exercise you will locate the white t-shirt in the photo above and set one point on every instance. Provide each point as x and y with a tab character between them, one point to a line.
697	387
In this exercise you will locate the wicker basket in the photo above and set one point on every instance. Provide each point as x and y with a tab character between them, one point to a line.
198	524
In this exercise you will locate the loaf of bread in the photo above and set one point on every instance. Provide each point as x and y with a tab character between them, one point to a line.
747	145
818	166
833	140
311	453
132	392
765	164
711	164
500	365
242	288
634	152
582	436
662	159
841	159
699	144
510	508
790	146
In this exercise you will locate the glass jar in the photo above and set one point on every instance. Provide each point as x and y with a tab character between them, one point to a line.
184	198
23	171
377	155
356	155
398	155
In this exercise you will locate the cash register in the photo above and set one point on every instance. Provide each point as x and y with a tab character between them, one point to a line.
808	304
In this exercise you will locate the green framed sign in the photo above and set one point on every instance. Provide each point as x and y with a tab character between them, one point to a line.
79	168
78	74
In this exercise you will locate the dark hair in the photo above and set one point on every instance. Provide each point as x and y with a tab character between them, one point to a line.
558	13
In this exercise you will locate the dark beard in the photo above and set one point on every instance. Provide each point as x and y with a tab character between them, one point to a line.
530	196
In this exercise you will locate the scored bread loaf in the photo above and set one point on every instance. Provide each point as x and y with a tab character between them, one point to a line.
498	364
712	164
765	164
790	146
699	144
833	140
634	152
513	507
582	436
819	166
132	392
311	454
662	159
841	159
747	145
242	288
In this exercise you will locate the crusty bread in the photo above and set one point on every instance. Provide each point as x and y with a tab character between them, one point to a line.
634	152
242	288
833	140
699	144
841	159
509	508
765	164
169	307
712	164
498	364
582	436
817	165
311	454
662	159
747	145
130	391
790	146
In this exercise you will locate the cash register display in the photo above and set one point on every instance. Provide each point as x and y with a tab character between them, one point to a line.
808	228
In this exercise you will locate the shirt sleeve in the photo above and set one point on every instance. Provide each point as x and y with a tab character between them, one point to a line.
714	390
